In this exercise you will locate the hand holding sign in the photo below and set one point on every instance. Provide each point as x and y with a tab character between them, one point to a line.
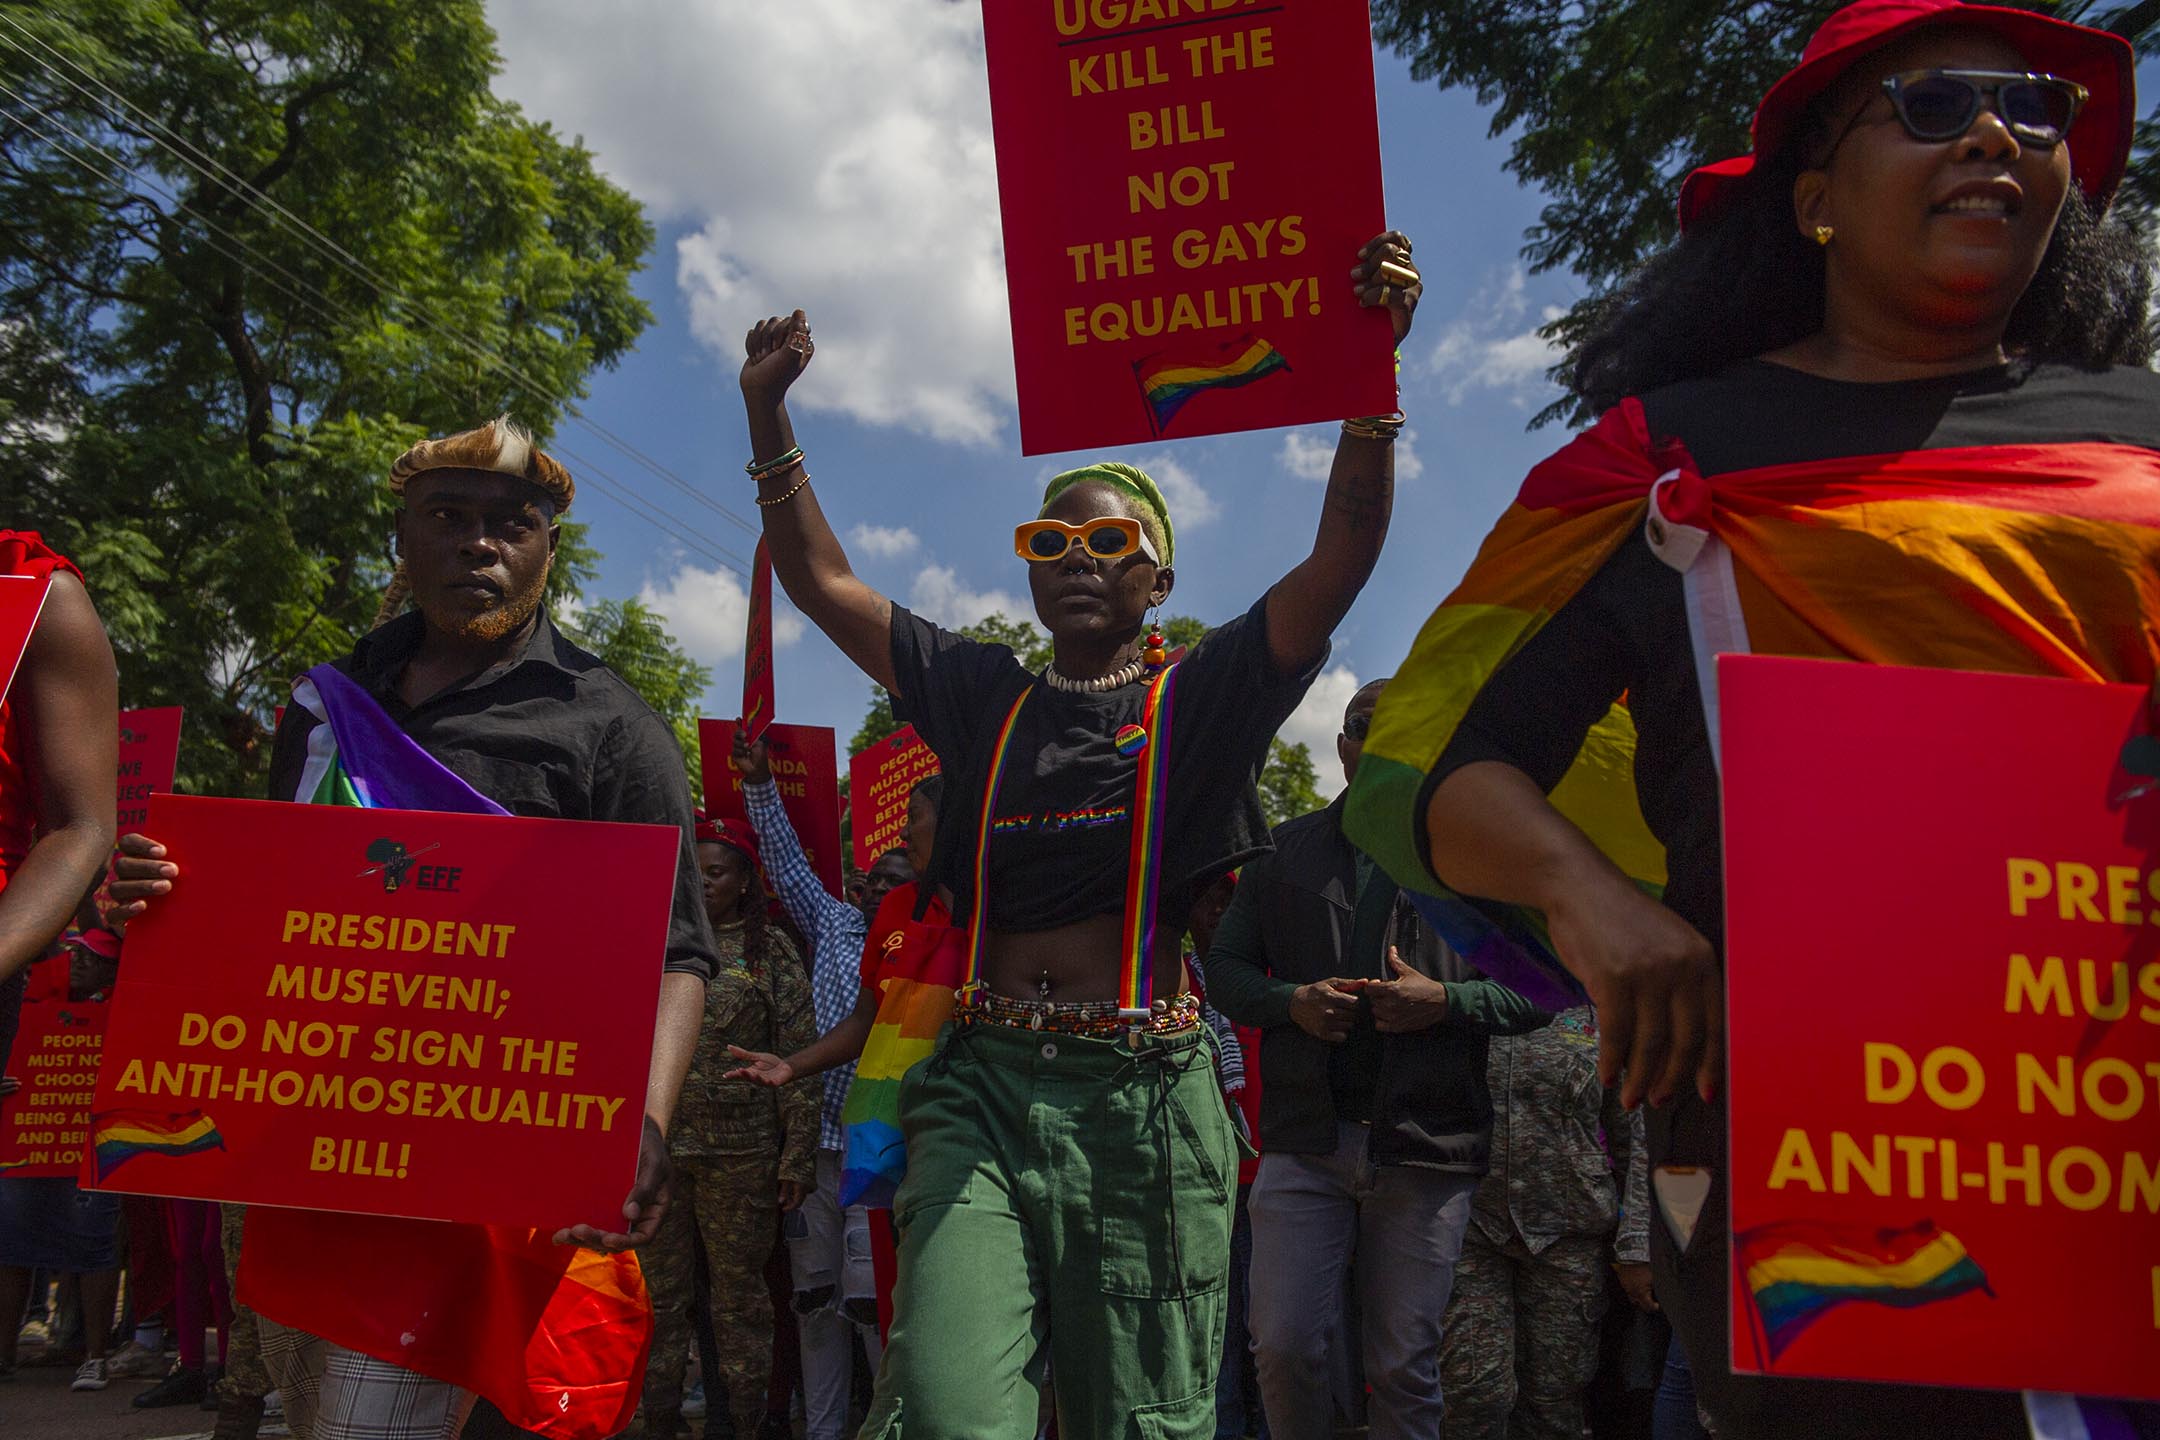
1385	276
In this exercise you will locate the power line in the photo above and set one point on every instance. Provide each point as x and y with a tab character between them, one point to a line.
301	292
203	163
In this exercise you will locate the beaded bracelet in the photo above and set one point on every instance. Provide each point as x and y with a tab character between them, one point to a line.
760	471
790	494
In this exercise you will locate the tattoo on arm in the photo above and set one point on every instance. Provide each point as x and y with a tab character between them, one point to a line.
1362	501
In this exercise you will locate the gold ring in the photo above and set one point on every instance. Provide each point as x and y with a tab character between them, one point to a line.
1396	274
1387	294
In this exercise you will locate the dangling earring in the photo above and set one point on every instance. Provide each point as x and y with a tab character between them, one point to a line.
1824	234
1155	656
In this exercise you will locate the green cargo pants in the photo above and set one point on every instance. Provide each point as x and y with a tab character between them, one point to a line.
1067	1203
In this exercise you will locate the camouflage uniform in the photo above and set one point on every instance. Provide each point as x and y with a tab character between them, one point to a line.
1521	1341
732	1143
245	1377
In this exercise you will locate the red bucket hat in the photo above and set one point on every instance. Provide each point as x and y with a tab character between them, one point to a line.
2101	62
735	834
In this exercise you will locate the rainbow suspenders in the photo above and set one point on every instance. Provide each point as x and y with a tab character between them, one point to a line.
1143	868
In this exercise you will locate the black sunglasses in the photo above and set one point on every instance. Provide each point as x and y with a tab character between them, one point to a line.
1940	105
1357	726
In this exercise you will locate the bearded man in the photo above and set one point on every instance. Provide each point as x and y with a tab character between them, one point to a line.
479	683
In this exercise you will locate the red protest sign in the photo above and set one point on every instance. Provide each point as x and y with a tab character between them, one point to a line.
804	770
1185	185
21	598
880	779
757	675
383	1011
1944	1023
149	755
57	1044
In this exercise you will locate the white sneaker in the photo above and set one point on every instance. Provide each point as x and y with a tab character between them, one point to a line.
273	1406
91	1375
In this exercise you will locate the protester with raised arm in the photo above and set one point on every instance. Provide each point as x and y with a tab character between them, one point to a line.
1070	1164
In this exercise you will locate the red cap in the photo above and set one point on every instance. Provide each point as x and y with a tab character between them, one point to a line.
2101	62
735	834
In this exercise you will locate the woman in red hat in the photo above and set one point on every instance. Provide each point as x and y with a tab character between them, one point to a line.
1883	401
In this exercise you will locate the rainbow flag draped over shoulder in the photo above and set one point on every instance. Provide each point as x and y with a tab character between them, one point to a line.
916	966
555	1336
1168	380
1798	1270
118	1136
2021	559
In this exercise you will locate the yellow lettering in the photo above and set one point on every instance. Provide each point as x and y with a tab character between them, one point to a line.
2029	881
1897	1085
1796	1163
2032	1081
2037	992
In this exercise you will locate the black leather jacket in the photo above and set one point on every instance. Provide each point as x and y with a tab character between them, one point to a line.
1290	925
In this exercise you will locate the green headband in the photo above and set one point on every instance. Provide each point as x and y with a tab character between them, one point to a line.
1132	481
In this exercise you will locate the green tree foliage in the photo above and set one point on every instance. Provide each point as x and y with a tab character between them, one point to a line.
1289	787
1608	105
198	396
635	643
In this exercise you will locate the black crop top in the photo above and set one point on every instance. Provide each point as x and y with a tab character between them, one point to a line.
1064	821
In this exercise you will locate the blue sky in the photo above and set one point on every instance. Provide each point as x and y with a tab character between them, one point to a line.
835	155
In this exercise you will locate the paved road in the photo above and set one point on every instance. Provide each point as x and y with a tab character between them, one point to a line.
37	1405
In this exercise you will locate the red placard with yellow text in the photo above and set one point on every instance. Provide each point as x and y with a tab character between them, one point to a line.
806	774
880	779
392	1012
43	1124
149	756
1184	186
1944	1017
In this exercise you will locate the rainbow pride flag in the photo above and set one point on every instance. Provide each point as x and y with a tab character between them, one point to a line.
921	964
1797	1271
118	1136
2018	559
1167	381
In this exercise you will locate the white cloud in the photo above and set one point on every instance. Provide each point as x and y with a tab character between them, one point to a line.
1318	720
708	610
1310	453
1191	506
939	595
1407	464
830	154
886	542
1488	346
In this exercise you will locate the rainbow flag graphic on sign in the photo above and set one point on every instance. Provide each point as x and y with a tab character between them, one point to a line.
1167	382
118	1136
1798	1270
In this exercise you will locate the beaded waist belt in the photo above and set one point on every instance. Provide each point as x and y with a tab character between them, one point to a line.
1098	1018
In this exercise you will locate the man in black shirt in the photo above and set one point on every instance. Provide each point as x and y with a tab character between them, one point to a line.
482	681
1374	1113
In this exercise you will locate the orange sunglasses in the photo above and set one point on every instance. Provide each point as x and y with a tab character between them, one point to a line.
1112	537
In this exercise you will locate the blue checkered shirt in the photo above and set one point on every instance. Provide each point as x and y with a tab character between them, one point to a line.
833	929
